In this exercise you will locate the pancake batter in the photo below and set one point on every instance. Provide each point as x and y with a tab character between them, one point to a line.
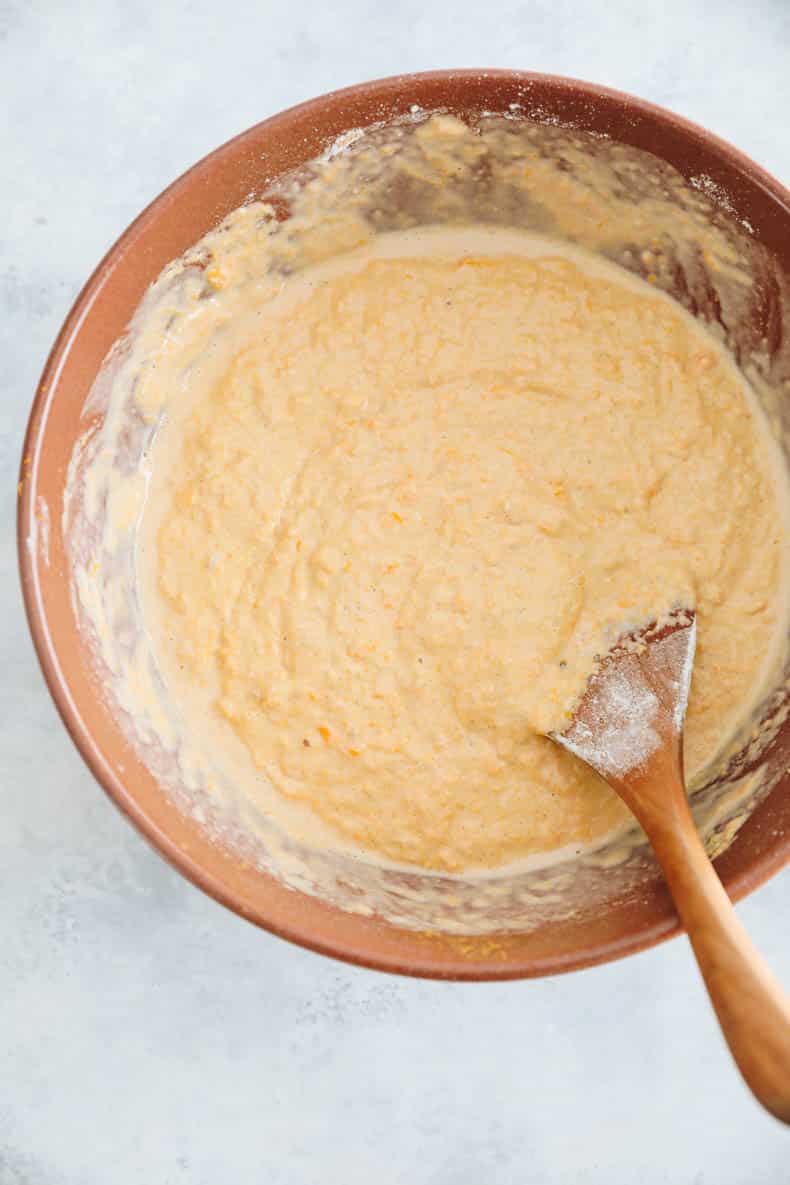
397	510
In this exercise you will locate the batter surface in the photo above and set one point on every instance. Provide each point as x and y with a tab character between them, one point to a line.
396	512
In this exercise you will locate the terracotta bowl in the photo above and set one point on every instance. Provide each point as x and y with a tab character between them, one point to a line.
174	221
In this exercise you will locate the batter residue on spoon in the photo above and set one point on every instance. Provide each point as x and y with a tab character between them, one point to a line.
396	510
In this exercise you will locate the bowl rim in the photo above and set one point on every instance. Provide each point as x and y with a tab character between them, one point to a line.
739	884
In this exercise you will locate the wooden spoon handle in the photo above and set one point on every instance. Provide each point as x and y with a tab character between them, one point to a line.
752	1007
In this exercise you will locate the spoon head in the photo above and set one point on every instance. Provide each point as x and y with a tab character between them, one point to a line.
632	710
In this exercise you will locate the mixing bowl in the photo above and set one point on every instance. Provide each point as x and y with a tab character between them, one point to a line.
611	913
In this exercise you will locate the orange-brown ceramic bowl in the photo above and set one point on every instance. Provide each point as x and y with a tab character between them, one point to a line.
180	216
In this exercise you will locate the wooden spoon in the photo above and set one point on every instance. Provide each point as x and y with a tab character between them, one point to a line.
628	726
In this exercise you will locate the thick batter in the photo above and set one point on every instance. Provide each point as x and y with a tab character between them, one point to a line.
396	512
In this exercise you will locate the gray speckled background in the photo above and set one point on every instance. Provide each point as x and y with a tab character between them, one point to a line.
148	1037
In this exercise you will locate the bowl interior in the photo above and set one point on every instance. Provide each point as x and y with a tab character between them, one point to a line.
639	912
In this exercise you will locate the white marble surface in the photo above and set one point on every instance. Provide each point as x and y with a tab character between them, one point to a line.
146	1035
